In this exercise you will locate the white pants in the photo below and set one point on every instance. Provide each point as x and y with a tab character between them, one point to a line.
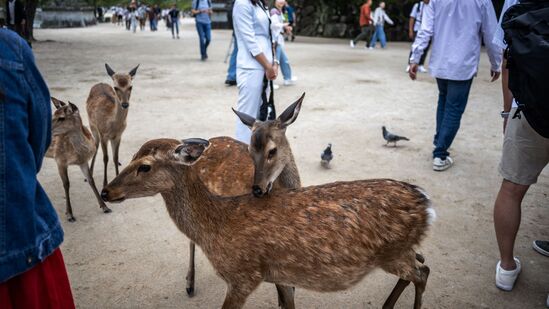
250	86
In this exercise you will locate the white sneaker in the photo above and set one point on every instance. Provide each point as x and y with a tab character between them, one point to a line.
275	86
440	165
294	78
422	69
407	68
352	44
505	279
289	82
370	47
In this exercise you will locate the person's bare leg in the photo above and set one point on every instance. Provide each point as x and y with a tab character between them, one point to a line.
507	220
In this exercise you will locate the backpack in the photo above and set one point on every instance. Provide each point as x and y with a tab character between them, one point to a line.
526	28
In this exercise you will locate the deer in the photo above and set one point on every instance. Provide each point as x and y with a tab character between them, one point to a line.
107	109
72	144
323	238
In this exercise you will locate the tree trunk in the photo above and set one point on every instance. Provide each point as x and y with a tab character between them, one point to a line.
30	10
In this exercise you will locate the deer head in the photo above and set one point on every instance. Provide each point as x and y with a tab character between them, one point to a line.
154	169
66	117
122	85
269	146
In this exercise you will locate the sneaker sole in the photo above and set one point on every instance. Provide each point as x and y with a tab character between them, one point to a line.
539	250
441	168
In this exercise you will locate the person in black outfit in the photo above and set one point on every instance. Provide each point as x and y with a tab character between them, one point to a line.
15	16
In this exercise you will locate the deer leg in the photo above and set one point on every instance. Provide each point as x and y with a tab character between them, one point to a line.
66	185
420	285
190	272
238	293
395	294
86	171
285	296
408	270
105	160
115	144
96	141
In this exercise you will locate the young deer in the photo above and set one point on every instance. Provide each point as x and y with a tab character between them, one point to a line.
107	110
228	158
323	238
72	144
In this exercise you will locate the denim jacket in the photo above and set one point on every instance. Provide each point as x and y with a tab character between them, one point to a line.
29	227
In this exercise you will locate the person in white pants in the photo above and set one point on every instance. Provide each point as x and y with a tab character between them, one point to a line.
255	59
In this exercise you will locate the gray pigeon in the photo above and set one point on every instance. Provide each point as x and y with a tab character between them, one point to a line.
326	156
392	138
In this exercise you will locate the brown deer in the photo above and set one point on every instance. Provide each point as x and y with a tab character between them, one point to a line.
107	110
228	158
72	144
323	238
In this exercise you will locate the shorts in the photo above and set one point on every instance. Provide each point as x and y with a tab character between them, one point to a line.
525	152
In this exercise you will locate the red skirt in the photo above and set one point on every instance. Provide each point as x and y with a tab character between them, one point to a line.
46	285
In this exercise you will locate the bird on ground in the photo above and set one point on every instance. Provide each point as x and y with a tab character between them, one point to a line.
326	156
392	138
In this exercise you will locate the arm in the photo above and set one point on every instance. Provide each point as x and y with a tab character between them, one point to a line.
488	28
387	19
423	37
411	28
193	6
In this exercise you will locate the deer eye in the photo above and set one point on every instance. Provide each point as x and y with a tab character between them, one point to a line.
144	169
130	88
272	153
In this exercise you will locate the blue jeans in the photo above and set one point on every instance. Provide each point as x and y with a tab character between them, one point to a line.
284	62
152	23
452	99
204	36
379	33
231	72
175	27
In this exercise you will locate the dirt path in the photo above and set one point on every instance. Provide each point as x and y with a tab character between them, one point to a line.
135	257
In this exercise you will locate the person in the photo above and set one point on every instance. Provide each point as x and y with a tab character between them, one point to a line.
366	25
292	19
202	9
413	28
231	71
278	28
525	154
254	61
16	18
380	17
173	15
454	61
32	271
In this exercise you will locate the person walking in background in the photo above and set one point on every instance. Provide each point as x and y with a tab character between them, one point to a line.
173	15
231	71
32	270
202	9
16	18
278	28
457	29
132	9
254	61
525	154
380	17
366	25
292	20
413	27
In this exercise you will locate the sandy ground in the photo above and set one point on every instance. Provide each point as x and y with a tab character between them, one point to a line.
136	258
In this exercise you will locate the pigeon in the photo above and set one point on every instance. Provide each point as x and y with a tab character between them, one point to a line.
326	156
392	138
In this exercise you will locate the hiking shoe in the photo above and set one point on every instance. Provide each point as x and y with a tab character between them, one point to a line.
505	279
440	165
541	247
352	44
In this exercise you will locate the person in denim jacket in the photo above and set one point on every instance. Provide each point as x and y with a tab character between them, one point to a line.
32	271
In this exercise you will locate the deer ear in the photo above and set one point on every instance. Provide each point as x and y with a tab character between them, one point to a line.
57	103
245	118
109	70
73	107
133	71
190	151
290	114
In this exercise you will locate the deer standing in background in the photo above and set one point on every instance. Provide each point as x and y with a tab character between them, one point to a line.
72	144
324	238
107	110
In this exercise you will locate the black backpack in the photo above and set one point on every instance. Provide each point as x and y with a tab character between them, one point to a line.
526	27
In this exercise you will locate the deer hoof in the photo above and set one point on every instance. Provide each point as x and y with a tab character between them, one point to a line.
106	210
71	219
190	292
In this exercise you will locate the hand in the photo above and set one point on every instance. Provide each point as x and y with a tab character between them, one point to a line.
272	72
413	71
411	34
495	75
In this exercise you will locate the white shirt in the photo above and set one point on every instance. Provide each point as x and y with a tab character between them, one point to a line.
380	17
12	12
252	30
277	27
499	33
417	13
456	28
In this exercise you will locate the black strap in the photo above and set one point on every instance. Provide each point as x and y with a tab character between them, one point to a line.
267	109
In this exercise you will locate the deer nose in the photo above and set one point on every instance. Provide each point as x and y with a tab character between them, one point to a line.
125	105
256	190
105	195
